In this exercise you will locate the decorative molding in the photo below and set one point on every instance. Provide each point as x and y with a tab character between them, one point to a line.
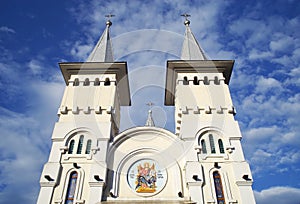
75	110
87	110
206	110
48	184
196	183
96	183
244	183
58	201
63	149
230	149
198	148
63	110
98	110
95	149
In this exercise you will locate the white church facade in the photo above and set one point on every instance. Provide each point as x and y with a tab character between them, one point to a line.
201	162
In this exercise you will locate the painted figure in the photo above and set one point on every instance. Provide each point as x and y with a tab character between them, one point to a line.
146	178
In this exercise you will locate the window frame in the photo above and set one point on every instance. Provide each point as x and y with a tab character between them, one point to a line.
219	190
80	145
71	146
213	150
88	146
71	187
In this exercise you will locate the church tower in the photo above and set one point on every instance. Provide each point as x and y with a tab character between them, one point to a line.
89	117
204	117
201	162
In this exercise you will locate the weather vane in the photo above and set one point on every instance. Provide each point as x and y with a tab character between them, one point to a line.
187	21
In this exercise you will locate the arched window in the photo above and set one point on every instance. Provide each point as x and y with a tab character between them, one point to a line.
86	82
203	145
212	144
221	147
97	82
185	81
76	82
88	146
218	188
107	82
216	81
71	188
80	144
71	147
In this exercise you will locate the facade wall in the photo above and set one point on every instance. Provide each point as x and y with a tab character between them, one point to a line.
147	143
89	109
188	166
204	113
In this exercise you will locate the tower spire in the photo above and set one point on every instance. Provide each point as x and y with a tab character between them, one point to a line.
191	50
150	122
103	50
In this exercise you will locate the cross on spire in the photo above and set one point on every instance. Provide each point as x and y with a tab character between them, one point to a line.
187	21
186	15
150	104
109	16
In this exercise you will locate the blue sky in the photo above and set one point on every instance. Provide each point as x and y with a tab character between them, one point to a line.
262	36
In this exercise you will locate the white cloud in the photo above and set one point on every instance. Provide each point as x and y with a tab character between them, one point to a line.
243	26
266	84
90	16
26	142
80	51
254	32
7	29
280	195
261	133
24	151
290	157
282	43
162	41
35	66
256	54
284	60
26	127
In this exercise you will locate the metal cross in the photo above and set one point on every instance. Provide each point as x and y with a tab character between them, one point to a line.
108	16
150	104
186	15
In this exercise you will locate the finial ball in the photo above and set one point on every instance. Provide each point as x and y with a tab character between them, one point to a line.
108	23
187	22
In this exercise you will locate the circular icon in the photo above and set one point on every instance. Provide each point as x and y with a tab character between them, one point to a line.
146	177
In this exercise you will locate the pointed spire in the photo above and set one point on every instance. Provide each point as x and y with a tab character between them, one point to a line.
103	50
191	50
150	122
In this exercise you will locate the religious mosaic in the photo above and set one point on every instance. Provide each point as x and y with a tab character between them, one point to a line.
146	176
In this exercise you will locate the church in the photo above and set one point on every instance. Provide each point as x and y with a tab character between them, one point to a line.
202	161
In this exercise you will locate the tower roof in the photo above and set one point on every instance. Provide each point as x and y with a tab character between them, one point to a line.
103	50
193	60
191	50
